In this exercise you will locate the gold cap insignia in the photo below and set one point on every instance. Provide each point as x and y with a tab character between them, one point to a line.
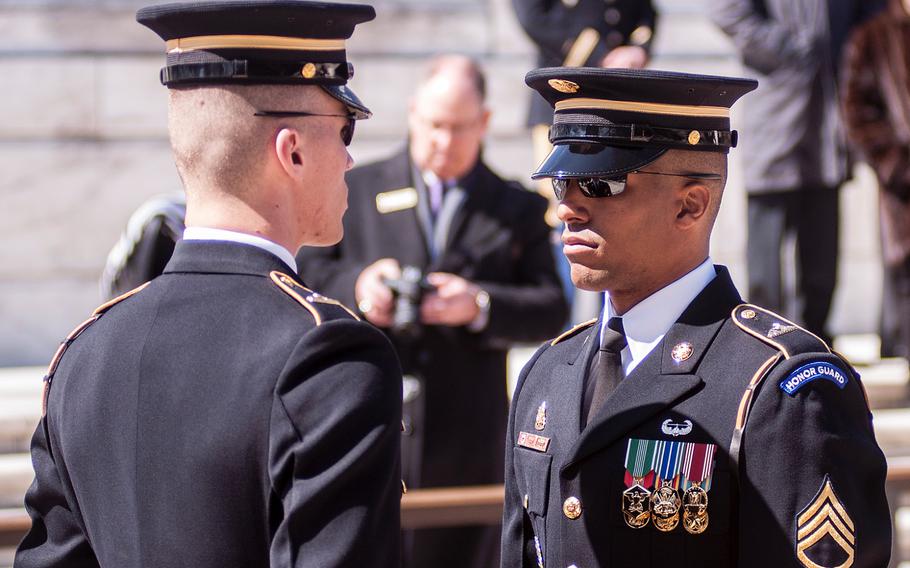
694	137
682	351
824	517
308	71
564	86
540	422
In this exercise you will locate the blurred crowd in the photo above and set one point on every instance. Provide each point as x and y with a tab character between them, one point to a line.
457	265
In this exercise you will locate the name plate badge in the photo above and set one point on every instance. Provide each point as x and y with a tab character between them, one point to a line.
533	442
396	200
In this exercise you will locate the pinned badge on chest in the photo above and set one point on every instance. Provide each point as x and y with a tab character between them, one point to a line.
698	465
665	501
638	478
540	421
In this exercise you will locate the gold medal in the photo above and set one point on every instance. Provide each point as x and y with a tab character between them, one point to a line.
695	510
635	507
665	505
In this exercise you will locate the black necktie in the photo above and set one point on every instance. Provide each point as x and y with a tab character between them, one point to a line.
606	370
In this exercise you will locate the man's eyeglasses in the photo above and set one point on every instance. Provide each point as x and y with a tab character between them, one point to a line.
607	187
347	133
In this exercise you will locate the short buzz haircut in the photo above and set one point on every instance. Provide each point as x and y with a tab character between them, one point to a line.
467	65
217	141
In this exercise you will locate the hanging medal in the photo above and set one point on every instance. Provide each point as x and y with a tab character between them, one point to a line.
665	501
697	469
638	478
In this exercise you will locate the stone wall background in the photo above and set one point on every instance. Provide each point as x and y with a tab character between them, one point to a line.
83	140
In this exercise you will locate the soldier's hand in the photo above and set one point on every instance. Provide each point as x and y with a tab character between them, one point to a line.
374	298
625	57
453	303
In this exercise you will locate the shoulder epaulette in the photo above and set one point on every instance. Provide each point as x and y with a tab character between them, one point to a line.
778	332
64	345
573	331
306	297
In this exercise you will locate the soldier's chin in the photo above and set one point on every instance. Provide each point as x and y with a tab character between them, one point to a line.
589	279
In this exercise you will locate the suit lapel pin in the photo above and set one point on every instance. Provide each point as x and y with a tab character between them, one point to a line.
682	351
540	422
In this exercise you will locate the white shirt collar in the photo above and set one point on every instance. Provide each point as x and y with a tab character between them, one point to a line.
209	234
649	320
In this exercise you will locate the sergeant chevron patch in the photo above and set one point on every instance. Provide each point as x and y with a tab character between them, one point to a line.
825	523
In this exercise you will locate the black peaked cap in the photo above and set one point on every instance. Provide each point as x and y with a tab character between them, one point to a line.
259	42
608	122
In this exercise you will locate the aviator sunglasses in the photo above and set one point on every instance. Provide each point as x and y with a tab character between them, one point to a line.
347	133
607	187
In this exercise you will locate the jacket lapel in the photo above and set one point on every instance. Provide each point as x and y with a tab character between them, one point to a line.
662	378
403	226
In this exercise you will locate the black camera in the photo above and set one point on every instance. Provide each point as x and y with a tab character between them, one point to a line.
408	291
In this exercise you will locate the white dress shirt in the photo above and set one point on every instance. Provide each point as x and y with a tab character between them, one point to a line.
649	320
208	234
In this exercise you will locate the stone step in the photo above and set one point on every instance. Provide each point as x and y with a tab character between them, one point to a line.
16	475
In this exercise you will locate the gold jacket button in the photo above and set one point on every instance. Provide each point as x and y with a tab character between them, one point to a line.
571	508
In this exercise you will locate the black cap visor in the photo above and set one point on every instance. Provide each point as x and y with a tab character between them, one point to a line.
350	100
594	160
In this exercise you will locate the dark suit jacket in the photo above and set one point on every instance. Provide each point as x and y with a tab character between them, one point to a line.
774	451
213	420
499	240
554	26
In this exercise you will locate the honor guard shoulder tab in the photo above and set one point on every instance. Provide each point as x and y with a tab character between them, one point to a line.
776	331
573	331
64	345
319	306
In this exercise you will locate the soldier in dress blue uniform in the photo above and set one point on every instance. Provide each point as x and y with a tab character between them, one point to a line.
224	414
683	427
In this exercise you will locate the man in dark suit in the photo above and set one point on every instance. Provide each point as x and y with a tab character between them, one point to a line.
682	427
483	244
795	143
224	414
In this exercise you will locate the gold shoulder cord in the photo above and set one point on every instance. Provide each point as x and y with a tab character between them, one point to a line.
745	406
64	345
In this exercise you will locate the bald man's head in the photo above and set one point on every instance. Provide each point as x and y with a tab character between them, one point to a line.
447	117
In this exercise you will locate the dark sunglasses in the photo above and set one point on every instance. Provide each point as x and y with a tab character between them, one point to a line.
347	133
607	187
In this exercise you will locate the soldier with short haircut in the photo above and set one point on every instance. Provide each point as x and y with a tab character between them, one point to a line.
224	414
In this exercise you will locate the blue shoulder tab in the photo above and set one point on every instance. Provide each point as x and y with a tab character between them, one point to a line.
813	371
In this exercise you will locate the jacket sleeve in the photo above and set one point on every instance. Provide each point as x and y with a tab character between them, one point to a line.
531	307
334	450
812	477
56	538
866	115
763	43
518	549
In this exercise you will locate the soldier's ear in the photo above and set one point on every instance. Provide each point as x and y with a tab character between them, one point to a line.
289	152
694	202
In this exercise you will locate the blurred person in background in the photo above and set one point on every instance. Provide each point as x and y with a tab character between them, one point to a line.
580	33
145	246
454	264
794	146
876	101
